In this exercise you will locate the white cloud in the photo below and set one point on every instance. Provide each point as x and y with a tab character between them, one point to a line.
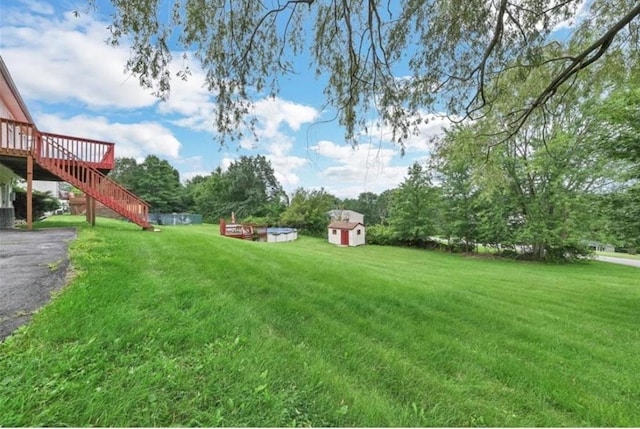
132	140
185	177
284	168
273	112
66	59
225	162
433	125
580	14
346	191
191	166
192	162
276	118
36	6
365	167
189	98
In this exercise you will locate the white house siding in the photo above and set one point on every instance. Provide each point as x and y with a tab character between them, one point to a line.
7	212
6	179
5	112
334	236
346	216
7	216
357	236
5	196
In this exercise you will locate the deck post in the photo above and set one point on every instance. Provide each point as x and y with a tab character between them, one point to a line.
30	192
87	210
93	212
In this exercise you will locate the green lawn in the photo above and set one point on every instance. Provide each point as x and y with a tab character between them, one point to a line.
187	328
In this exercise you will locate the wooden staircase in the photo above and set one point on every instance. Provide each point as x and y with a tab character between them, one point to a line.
78	162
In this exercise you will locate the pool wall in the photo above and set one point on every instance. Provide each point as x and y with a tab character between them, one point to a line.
279	235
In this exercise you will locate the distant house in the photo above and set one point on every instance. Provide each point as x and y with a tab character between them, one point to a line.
601	247
346	228
346	215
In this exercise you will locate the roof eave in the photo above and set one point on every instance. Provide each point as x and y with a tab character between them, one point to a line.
14	90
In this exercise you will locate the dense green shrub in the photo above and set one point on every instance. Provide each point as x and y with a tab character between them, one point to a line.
42	202
381	235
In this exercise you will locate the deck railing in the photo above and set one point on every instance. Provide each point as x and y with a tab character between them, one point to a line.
76	161
97	153
18	138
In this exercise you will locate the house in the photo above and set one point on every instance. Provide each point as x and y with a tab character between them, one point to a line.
47	186
345	215
30	154
601	247
7	176
346	228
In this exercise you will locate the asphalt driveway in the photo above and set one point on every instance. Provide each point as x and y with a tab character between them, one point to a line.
33	265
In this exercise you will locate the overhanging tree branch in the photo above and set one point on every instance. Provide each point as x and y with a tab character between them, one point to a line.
590	55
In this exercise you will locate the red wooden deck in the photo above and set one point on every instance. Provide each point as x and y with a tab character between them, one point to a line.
81	162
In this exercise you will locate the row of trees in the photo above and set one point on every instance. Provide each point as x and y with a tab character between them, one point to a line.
572	173
543	199
248	188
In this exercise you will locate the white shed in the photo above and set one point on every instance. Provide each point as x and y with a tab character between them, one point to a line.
344	233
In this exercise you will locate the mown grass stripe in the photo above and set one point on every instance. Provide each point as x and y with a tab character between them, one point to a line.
185	327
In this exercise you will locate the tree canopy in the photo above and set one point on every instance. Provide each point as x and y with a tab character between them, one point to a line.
308	210
154	180
400	59
247	188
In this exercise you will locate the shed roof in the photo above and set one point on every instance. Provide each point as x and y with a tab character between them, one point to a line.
344	225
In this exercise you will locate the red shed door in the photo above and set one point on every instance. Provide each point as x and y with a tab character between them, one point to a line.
344	237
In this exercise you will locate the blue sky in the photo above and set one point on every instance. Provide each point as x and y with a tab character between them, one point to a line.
74	83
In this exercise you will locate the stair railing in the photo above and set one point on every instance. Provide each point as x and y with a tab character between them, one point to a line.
69	167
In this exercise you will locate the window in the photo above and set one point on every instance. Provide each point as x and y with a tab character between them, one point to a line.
334	231
359	232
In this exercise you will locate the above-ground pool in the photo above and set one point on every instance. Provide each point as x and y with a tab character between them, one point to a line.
280	234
